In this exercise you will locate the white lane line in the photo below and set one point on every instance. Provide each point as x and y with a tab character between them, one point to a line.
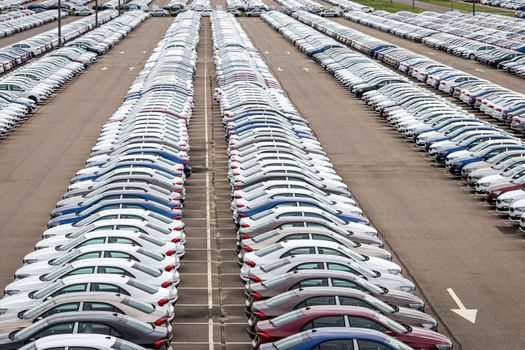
431	53
279	69
121	52
131	68
480	70
144	52
288	52
104	68
266	52
208	215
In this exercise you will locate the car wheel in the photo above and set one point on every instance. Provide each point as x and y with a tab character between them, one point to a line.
471	56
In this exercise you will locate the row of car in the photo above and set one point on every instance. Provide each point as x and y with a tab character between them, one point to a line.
310	259
488	46
249	8
348	5
19	24
507	4
15	14
10	4
493	100
66	5
107	266
20	52
307	5
486	157
35	82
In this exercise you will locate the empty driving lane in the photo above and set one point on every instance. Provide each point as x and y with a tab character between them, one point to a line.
469	66
38	160
210	310
443	237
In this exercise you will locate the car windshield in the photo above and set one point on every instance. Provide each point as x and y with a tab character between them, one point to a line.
275	265
148	270
399	328
30	330
286	318
269	250
291	342
264	236
58	272
139	305
151	254
139	325
37	310
143	287
384	307
278	299
65	258
123	345
275	281
48	290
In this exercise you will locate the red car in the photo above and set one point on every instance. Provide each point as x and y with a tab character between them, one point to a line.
495	191
346	316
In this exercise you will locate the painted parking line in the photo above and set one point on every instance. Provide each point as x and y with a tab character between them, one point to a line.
480	70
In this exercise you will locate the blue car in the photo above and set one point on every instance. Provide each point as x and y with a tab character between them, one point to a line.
337	339
457	133
297	202
456	166
138	197
468	144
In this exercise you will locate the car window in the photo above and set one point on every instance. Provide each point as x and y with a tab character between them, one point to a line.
323	238
341	267
336	344
92	241
312	282
121	240
320	300
92	306
299	251
74	288
119	255
349	301
114	271
325	321
295	236
93	255
94	328
62	328
81	271
346	284
330	251
106	287
361	322
61	308
371	345
308	266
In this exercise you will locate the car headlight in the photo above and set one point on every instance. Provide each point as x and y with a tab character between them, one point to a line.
431	326
30	261
394	271
443	346
407	289
371	233
21	276
11	292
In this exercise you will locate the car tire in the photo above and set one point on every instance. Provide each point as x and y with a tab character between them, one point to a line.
471	56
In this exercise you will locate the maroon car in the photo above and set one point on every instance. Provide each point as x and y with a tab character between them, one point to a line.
346	316
495	191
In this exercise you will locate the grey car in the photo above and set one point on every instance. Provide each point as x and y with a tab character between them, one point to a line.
328	278
17	318
303	297
83	322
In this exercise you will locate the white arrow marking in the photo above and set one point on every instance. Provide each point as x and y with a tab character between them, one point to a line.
287	52
266	52
431	53
279	69
306	69
468	314
104	68
131	68
144	51
480	70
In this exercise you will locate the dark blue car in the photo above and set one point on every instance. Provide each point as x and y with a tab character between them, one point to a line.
456	166
337	339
